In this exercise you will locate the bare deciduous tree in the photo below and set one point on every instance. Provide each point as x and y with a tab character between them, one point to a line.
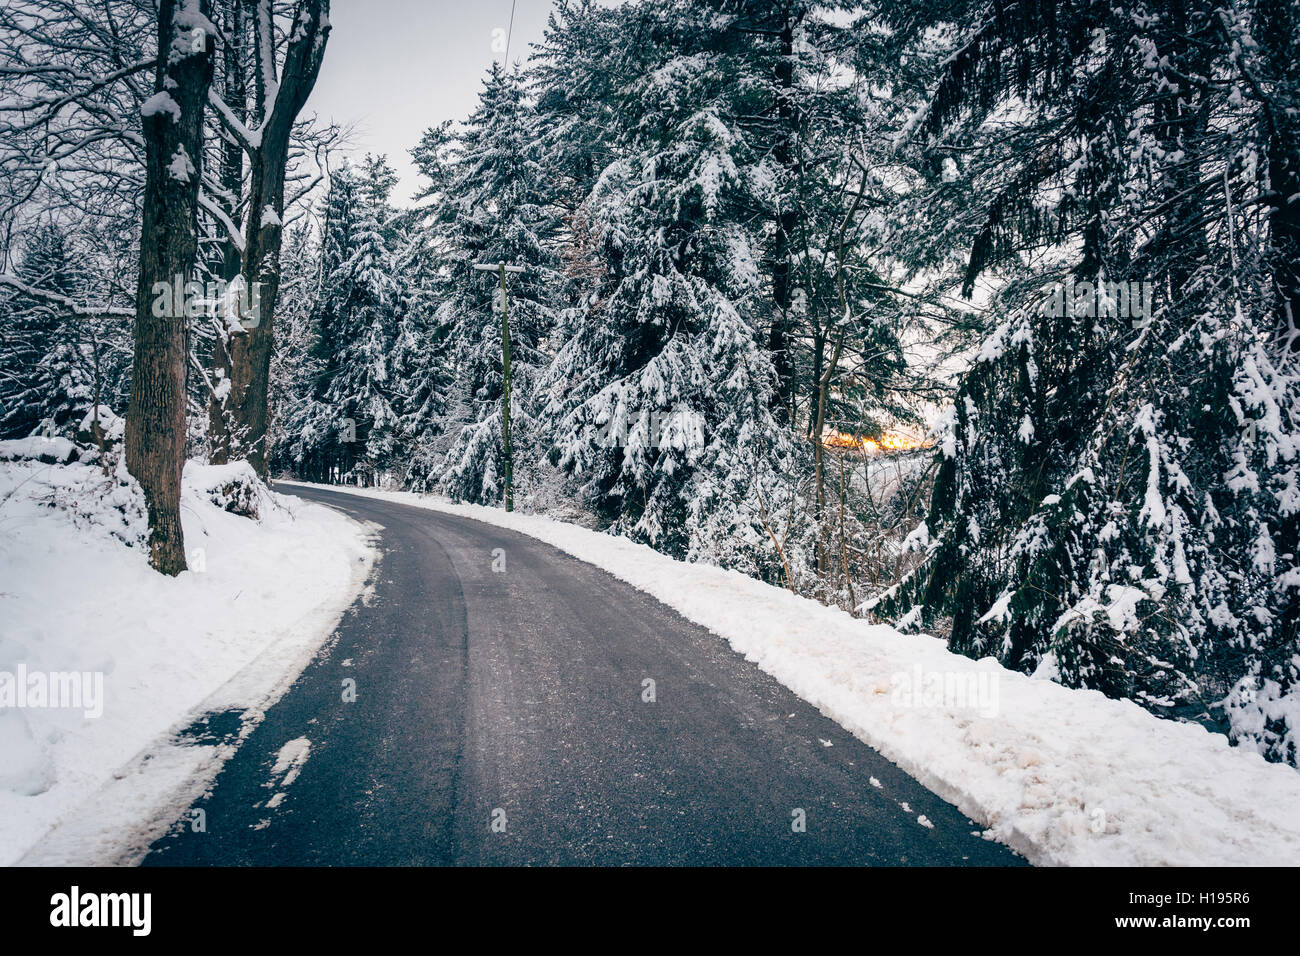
244	355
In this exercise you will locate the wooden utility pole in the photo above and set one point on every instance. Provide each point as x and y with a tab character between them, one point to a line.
502	269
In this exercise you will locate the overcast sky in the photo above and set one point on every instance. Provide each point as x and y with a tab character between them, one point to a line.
396	67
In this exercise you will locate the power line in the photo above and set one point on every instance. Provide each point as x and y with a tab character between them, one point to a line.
509	33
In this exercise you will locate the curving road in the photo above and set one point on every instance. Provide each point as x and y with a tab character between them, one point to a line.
499	719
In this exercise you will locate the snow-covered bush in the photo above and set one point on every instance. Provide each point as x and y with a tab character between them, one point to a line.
233	487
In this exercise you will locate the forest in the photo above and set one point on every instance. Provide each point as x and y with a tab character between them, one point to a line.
980	318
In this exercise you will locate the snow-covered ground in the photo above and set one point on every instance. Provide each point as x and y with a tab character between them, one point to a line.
150	652
1064	776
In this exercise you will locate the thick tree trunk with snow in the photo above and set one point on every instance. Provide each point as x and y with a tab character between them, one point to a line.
281	99
250	354
173	134
234	81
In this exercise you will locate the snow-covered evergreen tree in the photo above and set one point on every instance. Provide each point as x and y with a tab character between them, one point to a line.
1117	502
495	210
295	363
56	361
349	424
661	398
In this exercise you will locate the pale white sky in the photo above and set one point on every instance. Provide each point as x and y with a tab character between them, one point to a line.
396	67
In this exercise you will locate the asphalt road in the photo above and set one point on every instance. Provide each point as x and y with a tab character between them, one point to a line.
499	718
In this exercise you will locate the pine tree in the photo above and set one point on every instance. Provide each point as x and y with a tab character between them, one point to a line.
1116	500
295	364
43	381
495	211
661	398
361	296
347	425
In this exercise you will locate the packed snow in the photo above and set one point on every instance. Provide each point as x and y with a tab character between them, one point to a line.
1066	777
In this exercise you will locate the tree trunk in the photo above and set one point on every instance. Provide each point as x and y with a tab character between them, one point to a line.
173	134
779	338
250	352
1277	35
235	94
1180	123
